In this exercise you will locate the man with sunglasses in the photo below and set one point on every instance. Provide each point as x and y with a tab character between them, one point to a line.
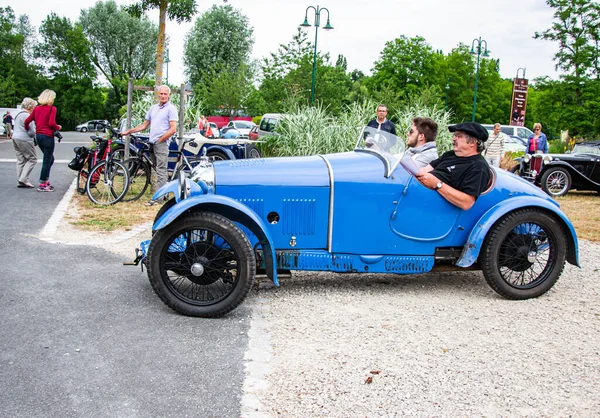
462	174
381	122
421	140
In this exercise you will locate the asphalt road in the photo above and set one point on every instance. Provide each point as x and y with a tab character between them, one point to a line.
81	335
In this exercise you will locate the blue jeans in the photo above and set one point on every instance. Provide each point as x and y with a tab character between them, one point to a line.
46	144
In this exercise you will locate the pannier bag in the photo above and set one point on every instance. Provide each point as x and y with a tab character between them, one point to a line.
81	154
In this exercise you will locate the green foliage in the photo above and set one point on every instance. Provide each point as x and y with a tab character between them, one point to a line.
220	41
287	78
226	89
121	47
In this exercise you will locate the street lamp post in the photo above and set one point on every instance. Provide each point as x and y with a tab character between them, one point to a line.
167	61
476	48
317	22
447	91
523	72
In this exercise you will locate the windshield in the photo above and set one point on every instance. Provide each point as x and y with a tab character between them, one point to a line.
388	147
586	149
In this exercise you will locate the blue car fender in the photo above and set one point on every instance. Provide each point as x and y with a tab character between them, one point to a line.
474	243
232	210
170	187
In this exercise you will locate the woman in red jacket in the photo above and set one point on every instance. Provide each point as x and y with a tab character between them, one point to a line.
44	116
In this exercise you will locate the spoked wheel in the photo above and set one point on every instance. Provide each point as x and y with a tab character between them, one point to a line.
139	178
201	265
556	181
107	182
524	254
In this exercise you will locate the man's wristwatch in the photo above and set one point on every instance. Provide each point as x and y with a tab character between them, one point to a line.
439	185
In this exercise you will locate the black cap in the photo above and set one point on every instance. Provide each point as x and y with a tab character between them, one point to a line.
472	128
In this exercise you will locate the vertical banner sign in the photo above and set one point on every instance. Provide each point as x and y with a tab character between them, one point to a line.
519	102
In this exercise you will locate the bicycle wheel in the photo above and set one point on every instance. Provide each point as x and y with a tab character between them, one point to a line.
107	182
139	178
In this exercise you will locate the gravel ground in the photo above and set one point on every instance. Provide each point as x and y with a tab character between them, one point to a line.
443	344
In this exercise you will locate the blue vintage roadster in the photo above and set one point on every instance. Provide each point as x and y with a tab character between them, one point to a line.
359	211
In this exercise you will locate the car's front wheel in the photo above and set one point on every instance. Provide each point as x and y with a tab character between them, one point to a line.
201	265
524	254
556	181
83	129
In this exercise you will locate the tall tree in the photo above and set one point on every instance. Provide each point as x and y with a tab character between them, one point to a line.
226	90
220	39
178	10
122	47
67	57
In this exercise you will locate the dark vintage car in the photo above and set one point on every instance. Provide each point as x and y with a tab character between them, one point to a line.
556	174
359	211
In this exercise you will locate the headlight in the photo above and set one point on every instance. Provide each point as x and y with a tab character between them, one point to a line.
526	158
204	174
547	159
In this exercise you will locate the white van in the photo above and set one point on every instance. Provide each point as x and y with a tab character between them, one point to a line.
268	123
519	132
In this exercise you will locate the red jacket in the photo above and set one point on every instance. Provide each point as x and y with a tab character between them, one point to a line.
45	120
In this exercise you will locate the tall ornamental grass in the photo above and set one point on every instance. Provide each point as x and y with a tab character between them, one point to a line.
306	130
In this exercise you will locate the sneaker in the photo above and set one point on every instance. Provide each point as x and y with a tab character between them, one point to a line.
45	188
49	186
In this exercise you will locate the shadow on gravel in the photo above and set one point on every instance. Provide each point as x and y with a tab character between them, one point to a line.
470	283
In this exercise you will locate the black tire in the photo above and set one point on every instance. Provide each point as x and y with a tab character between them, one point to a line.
83	129
523	254
118	152
139	178
201	265
217	156
556	181
252	151
110	187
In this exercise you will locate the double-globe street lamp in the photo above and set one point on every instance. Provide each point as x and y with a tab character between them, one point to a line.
317	22
479	47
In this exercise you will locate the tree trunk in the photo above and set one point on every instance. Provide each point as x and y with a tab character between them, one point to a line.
160	46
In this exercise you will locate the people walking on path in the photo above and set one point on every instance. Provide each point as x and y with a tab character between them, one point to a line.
24	145
44	116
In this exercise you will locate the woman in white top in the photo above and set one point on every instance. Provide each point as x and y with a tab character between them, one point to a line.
23	142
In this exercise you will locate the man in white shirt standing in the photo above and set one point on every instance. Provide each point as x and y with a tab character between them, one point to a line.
494	150
162	119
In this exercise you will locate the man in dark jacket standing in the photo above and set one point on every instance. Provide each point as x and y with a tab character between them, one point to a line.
381	122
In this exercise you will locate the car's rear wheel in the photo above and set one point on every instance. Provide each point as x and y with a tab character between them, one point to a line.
252	151
201	265
524	254
556	181
217	156
83	129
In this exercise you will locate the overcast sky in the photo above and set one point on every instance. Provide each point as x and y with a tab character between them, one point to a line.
361	28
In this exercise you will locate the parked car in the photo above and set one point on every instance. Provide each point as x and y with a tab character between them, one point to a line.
237	129
92	125
520	133
357	211
556	174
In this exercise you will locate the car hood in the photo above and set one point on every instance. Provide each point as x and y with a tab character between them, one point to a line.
281	171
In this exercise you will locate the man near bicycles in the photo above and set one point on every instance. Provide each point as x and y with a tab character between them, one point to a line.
162	119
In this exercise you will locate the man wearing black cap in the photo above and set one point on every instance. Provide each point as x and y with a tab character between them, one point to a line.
462	174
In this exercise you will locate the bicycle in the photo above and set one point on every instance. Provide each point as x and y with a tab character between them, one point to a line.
139	165
104	179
